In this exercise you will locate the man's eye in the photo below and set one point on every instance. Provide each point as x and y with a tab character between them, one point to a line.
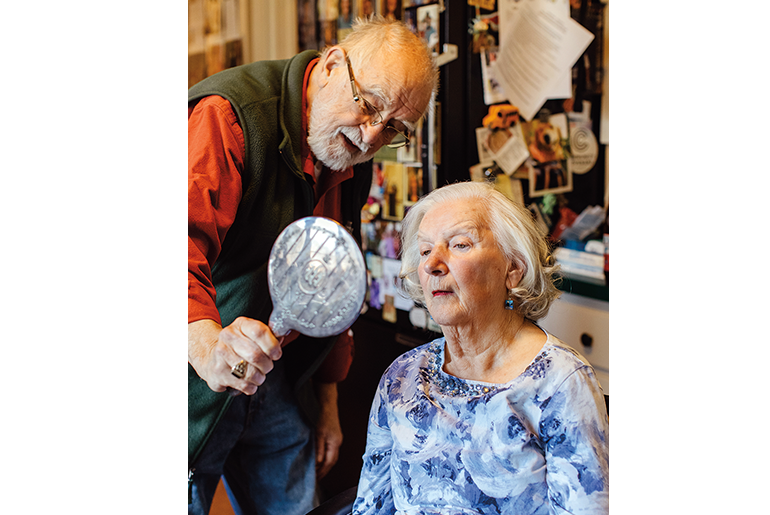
365	109
369	108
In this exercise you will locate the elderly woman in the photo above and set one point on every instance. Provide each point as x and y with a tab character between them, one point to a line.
497	416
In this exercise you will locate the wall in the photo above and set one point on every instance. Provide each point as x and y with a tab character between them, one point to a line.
271	29
227	33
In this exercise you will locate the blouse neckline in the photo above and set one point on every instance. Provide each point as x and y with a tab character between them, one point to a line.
454	386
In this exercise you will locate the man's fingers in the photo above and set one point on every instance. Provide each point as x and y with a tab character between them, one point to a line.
260	334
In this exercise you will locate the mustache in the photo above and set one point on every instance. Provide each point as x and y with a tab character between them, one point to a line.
354	135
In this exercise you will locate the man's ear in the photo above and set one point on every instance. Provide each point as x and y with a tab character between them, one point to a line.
333	58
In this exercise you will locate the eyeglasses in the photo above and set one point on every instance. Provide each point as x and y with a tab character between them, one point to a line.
396	137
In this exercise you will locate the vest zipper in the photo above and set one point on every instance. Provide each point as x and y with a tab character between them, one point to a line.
190	473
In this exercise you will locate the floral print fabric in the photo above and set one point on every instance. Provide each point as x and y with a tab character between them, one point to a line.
440	444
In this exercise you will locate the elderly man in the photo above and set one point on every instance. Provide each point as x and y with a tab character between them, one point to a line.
269	143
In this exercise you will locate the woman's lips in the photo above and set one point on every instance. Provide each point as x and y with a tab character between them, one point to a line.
440	293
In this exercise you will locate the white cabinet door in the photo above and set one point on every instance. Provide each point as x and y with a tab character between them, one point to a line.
583	323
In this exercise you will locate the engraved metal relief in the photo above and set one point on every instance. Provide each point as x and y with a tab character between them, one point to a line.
317	278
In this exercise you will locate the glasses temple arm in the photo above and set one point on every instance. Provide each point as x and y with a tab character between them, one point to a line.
352	79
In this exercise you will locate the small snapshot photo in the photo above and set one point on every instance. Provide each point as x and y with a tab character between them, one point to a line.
545	140
393	191
391	9
428	26
347	11
414	184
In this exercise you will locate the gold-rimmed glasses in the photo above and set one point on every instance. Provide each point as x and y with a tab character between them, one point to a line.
396	137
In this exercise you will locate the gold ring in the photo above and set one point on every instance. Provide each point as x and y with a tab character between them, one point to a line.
239	370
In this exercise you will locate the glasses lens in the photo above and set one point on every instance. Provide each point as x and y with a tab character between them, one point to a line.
371	112
399	140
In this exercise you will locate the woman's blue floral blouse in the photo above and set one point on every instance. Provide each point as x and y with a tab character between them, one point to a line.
439	444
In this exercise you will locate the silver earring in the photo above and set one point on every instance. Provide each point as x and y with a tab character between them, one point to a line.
509	300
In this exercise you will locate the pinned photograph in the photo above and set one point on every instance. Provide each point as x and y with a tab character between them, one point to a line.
391	9
414	184
393	191
428	26
347	14
545	138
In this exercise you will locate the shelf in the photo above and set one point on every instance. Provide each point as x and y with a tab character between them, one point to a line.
584	286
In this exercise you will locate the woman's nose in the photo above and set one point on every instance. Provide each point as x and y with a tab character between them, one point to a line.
435	264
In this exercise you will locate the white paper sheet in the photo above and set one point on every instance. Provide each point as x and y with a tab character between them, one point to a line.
539	48
508	14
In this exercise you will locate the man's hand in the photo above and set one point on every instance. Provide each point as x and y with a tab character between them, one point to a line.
328	431
213	351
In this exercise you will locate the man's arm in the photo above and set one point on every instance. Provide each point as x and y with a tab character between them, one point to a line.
215	162
328	430
213	351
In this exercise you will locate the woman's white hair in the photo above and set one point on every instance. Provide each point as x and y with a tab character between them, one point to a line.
517	237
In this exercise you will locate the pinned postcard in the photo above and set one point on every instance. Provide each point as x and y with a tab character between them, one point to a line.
509	153
536	51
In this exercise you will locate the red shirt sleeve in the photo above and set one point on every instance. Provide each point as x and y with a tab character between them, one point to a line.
215	152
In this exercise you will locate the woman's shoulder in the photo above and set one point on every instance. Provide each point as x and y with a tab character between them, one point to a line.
417	356
560	350
556	361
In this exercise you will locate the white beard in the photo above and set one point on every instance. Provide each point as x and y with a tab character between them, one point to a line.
326	143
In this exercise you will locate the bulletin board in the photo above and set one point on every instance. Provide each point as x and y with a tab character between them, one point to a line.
324	23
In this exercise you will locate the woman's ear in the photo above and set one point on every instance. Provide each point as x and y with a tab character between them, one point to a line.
515	273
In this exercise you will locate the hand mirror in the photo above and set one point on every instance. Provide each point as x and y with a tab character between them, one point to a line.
317	279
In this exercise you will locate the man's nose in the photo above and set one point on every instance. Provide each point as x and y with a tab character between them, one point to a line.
372	134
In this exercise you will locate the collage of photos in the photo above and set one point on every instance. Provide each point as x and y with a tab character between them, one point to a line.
535	151
400	176
324	23
396	186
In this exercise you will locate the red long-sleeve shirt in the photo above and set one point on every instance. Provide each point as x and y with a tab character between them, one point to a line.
216	150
